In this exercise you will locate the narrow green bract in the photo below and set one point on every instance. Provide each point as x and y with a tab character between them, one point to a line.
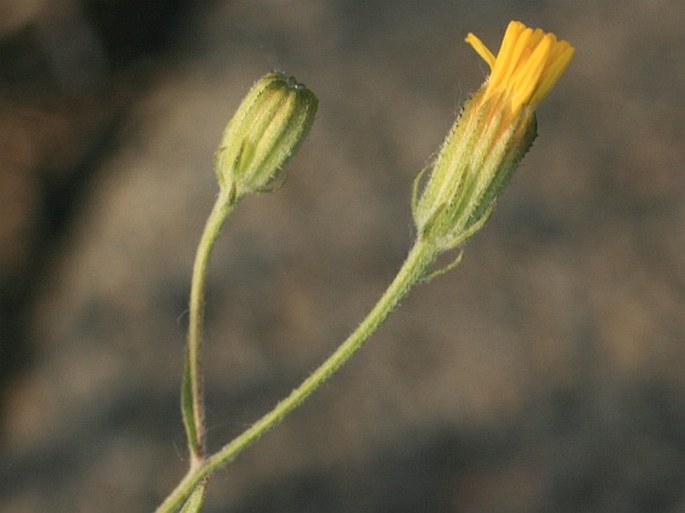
475	162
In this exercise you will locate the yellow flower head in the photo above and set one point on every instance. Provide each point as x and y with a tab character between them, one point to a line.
493	132
528	65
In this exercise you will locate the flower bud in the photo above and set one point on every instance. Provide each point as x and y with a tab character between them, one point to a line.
494	131
266	130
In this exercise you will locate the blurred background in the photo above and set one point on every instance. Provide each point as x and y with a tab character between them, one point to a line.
543	374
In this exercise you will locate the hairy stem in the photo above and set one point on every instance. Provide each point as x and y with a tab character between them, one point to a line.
412	271
193	402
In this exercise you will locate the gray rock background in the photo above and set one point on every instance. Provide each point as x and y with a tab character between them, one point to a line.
544	374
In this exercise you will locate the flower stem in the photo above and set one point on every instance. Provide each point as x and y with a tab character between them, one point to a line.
192	402
412	271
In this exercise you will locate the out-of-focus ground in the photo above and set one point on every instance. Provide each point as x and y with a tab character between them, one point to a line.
544	374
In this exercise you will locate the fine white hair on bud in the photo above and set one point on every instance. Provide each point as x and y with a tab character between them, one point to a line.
271	122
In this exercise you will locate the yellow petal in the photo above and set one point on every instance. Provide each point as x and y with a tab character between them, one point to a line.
528	65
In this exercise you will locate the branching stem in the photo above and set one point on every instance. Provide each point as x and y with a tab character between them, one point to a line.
412	272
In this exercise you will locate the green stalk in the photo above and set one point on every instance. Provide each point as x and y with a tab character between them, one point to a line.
192	395
412	272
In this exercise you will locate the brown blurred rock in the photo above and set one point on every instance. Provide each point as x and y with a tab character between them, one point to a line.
62	94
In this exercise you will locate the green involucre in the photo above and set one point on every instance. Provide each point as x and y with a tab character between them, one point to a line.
271	122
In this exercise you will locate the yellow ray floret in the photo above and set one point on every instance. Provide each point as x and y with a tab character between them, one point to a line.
528	65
